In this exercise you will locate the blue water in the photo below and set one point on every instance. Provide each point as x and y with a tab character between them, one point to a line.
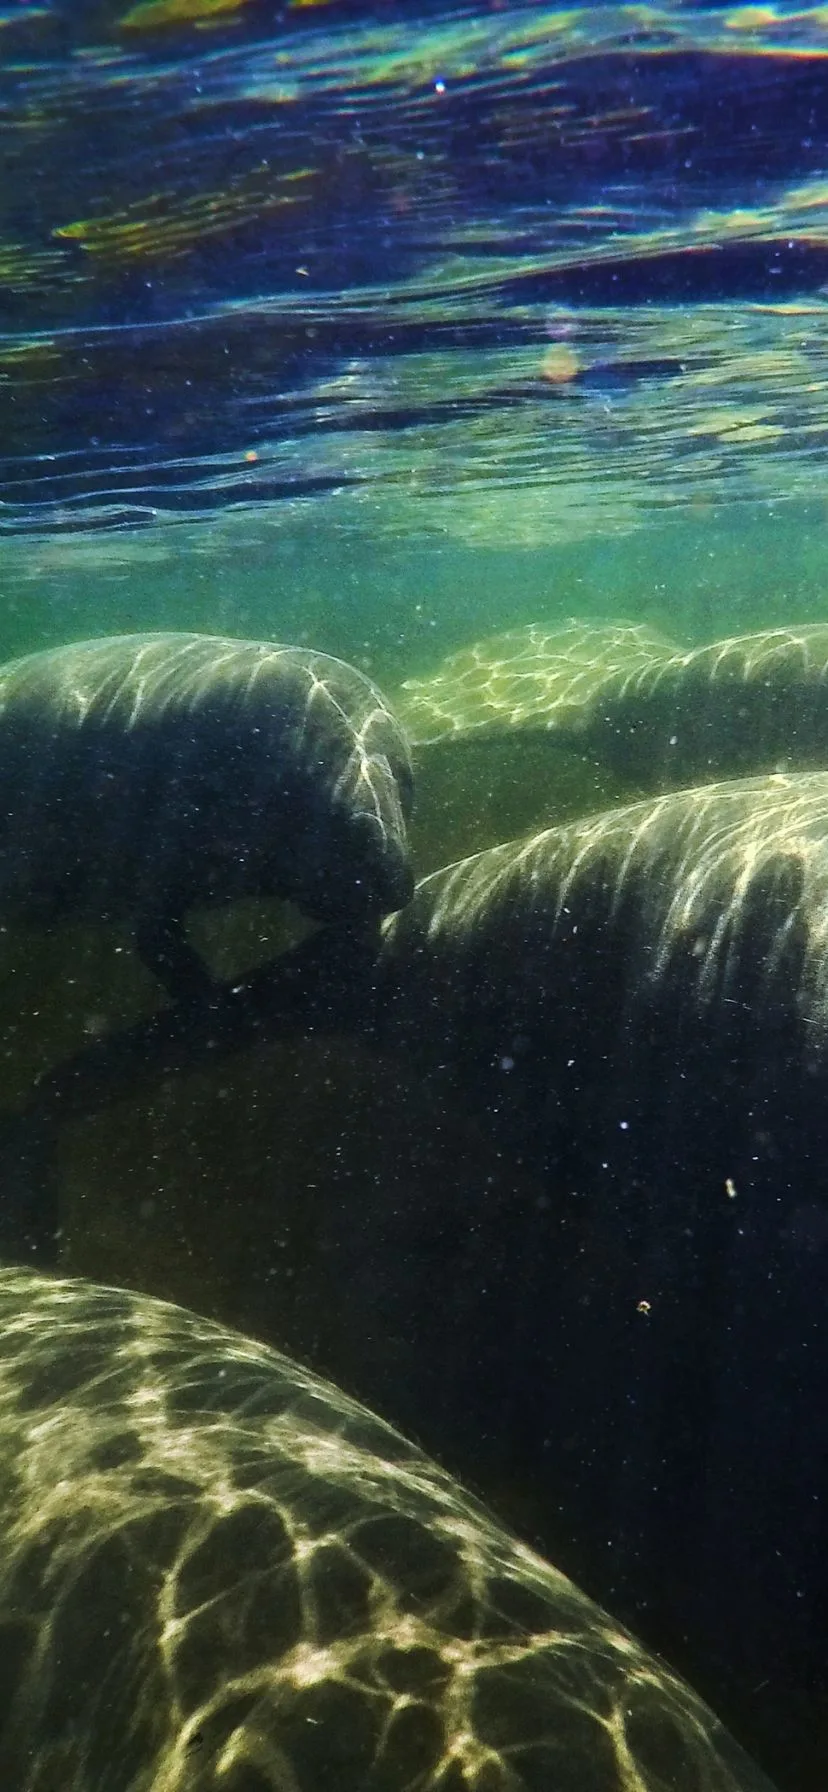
383	329
515	297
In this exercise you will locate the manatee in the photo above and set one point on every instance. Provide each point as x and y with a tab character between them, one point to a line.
218	1571
635	1006
747	704
499	735
597	971
141	774
538	678
706	884
658	715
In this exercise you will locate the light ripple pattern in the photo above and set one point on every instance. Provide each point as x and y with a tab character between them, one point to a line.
143	773
658	714
692	883
218	1572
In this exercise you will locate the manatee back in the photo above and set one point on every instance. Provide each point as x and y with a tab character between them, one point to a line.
219	1572
143	770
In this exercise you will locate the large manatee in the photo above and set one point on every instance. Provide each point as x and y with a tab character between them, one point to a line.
219	1574
141	774
655	714
701	896
635	1005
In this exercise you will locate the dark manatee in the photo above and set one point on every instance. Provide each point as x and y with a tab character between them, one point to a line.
549	721
741	705
626	1322
637	1002
219	1574
144	773
711	884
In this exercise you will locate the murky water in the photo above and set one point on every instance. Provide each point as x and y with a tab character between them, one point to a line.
388	331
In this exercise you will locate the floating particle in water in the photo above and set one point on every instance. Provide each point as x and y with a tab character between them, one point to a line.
560	364
150	14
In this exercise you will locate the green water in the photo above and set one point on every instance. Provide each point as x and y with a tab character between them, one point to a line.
396	589
385	331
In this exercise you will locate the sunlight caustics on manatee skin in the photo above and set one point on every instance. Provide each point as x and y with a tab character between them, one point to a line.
143	773
659	714
220	1572
686	896
400	330
700	878
537	677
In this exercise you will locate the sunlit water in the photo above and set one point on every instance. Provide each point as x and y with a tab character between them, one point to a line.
520	295
384	329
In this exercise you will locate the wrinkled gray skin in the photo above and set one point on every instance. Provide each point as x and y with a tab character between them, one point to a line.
141	774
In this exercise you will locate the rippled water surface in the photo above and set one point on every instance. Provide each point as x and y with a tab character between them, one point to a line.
386	328
442	283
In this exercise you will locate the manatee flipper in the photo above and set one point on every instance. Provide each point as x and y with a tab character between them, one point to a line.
324	984
161	942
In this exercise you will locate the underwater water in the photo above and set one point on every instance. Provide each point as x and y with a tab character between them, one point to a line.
485	348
